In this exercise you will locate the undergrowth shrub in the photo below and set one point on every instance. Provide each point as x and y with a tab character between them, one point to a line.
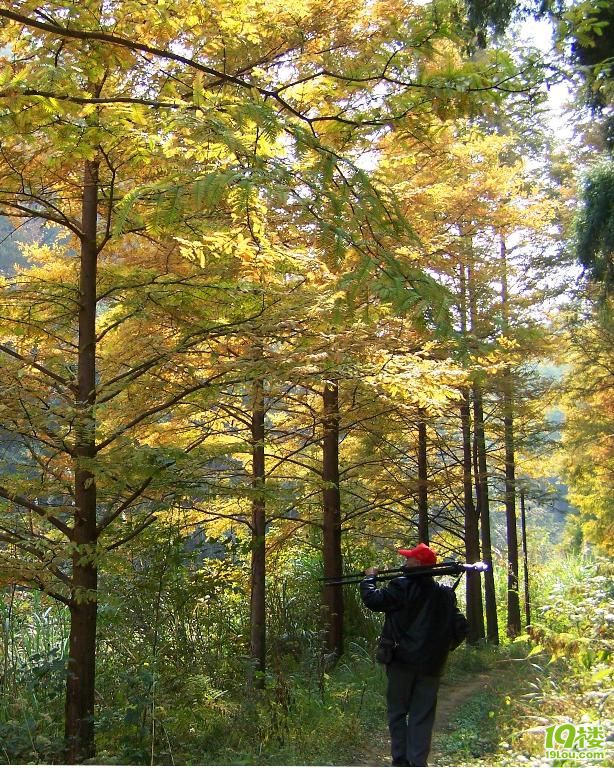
32	677
567	676
173	668
576	623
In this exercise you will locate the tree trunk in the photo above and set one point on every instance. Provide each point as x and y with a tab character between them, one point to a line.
475	611
513	599
525	555
333	561
79	712
475	615
423	504
480	470
483	511
258	565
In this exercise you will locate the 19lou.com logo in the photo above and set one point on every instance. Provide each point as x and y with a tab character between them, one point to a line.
578	742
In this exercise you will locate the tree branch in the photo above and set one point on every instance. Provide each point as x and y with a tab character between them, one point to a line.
99	100
40	511
108	519
159	408
124	42
187	344
37	366
18	541
22	211
133	534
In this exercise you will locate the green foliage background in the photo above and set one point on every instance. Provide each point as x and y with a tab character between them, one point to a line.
173	669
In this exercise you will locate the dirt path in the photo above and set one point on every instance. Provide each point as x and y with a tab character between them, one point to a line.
451	696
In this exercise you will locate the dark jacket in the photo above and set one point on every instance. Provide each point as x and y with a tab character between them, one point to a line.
419	619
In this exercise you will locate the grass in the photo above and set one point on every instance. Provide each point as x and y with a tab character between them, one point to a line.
562	674
307	716
473	732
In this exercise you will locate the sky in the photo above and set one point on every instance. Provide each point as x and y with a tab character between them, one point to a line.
538	33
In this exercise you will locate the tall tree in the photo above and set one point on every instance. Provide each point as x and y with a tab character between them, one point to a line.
331	521
595	227
258	529
475	614
586	450
423	499
514	626
83	536
81	85
525	558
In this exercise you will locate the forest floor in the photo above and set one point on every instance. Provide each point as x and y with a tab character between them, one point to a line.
451	698
456	713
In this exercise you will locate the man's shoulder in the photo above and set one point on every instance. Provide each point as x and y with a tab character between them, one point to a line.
399	583
400	587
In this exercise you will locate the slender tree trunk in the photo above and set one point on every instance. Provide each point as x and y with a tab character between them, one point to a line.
483	505
475	615
480	469
258	566
525	555
79	712
333	561
513	599
423	503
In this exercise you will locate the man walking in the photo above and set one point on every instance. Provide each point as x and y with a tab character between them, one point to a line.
421	621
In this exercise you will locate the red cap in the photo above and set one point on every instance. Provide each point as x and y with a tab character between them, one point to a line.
424	554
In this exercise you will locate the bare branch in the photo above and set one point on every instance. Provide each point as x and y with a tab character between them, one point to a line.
133	534
37	366
176	399
108	519
40	511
